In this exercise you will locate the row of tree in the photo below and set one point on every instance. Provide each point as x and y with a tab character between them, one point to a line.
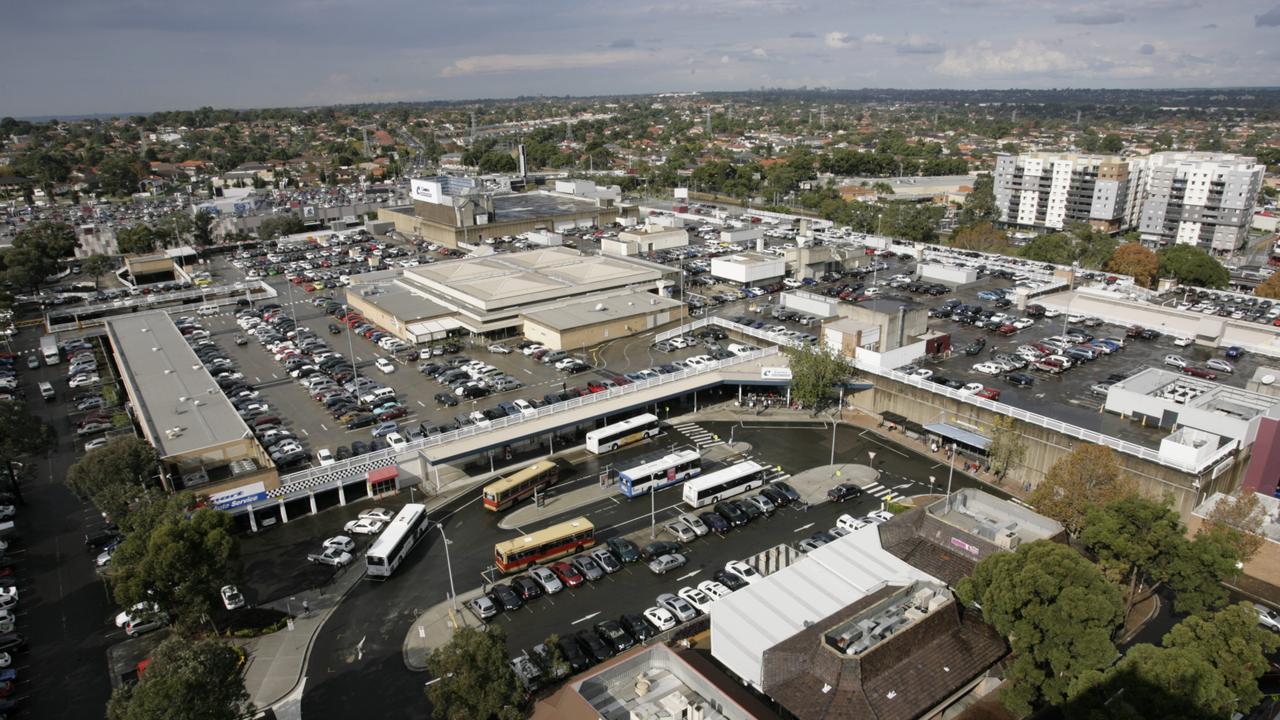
1062	613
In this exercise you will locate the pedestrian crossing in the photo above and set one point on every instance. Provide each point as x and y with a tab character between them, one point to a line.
880	491
698	435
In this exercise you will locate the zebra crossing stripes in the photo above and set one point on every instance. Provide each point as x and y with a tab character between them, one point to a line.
880	491
698	435
774	559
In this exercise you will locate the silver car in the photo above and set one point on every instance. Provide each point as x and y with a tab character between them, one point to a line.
547	579
677	606
606	560
666	563
1220	365
587	567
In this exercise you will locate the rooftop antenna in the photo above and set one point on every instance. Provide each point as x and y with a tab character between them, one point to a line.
708	120
473	126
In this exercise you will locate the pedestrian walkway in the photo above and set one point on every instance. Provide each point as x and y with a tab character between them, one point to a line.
698	435
434	628
880	491
554	503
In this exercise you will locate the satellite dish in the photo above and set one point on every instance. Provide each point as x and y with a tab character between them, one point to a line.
1268	379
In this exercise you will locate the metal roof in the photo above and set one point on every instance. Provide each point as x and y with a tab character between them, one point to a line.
959	435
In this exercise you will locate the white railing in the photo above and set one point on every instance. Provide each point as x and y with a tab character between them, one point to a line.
1059	426
321	477
225	293
728	325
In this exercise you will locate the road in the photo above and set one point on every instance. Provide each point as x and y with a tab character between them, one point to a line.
361	642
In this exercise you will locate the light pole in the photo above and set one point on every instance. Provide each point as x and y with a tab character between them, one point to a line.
932	479
453	596
871	454
951	471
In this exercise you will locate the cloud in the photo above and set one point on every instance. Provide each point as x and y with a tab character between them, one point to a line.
1147	49
874	39
802	35
1024	57
1088	17
494	64
1270	18
837	40
759	53
919	45
1210	26
622	43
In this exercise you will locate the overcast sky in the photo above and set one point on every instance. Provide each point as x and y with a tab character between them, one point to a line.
63	57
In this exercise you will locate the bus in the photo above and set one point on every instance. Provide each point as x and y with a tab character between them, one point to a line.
714	487
658	474
49	349
402	533
556	541
612	437
505	492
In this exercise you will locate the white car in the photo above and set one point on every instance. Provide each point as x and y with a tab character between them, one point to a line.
547	579
677	606
142	608
695	523
973	388
1051	313
377	513
366	526
331	556
231	597
742	570
697	598
499	348
83	381
661	618
850	523
987	368
879	516
533	349
1175	361
384	365
1267	617
396	441
1182	341
342	542
1075	318
524	406
1023	323
95	444
714	589
924	373
325	457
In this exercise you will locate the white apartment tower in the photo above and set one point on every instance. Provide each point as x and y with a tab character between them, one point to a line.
1050	190
1202	199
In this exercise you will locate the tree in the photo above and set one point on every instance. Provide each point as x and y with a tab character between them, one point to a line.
37	252
120	174
114	476
137	239
814	372
202	229
280	226
1136	260
983	237
1232	642
1239	517
1058	613
96	266
176	558
475	680
1152	682
1007	447
1111	143
1192	266
980	203
1269	288
1197	568
1087	477
192	680
1134	540
1057	248
21	435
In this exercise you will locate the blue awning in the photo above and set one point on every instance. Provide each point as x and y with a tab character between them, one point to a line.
959	435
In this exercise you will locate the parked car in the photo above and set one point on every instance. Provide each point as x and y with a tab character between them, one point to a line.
677	606
666	563
624	549
231	597
843	492
547	579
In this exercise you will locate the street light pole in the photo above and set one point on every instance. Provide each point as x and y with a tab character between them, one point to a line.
453	596
653	514
951	471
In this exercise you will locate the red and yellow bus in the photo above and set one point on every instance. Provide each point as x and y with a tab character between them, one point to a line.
505	492
562	539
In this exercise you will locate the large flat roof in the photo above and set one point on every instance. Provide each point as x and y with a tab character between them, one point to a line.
535	205
595	309
171	389
492	282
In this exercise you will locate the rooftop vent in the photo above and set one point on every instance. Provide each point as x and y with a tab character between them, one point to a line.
599	307
1268	379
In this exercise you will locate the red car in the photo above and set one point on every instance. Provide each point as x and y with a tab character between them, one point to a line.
1007	330
595	387
989	393
568	574
392	414
1200	372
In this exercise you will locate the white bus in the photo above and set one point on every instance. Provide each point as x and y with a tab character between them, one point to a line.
658	474
714	487
49	349
612	437
391	547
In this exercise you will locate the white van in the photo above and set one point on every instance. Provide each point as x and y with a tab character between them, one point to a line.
206	310
46	390
737	349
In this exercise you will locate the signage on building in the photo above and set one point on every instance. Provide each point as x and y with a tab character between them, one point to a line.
971	549
775	373
426	191
244	495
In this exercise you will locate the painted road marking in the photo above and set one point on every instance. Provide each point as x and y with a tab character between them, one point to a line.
584	619
688	575
322	427
802	528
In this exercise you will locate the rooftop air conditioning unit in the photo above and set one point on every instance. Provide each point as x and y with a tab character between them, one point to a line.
1008	540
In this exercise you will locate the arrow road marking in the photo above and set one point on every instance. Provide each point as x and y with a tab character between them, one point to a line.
360	648
688	575
584	619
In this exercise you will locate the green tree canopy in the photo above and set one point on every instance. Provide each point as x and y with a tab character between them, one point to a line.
1192	266
177	558
1007	446
980	204
137	239
95	266
1132	537
475	680
280	226
21	435
982	236
186	680
115	476
1233	642
815	374
36	253
1136	260
120	174
1058	613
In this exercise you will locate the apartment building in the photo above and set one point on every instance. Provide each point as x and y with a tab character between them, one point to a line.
1050	191
1203	199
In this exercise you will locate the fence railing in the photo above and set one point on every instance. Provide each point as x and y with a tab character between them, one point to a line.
315	478
213	295
729	325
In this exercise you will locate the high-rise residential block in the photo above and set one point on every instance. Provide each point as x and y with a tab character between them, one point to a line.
1050	191
1202	199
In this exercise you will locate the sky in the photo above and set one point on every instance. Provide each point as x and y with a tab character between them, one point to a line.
76	57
